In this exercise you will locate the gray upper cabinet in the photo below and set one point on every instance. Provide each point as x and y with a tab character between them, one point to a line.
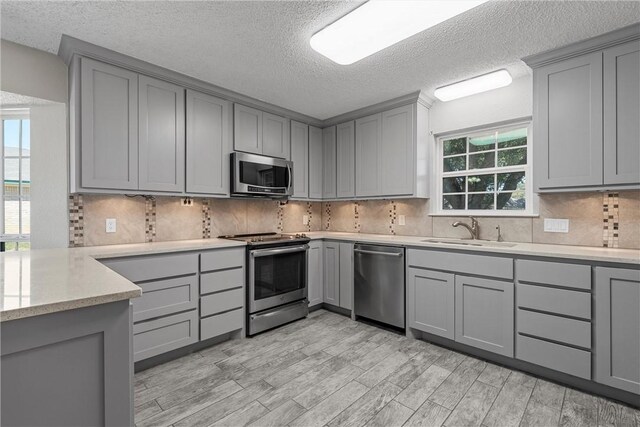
247	129
108	127
209	126
484	314
568	123
161	135
430	302
346	160
331	258
275	136
315	163
316	273
397	153
329	162
300	158
621	113
617	331
368	137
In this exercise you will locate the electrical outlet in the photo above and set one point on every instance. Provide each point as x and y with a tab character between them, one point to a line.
187	201
401	220
553	225
305	219
110	225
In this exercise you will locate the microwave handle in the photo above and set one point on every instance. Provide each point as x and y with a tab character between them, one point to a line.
290	178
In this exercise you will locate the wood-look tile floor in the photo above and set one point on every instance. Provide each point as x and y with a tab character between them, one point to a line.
329	370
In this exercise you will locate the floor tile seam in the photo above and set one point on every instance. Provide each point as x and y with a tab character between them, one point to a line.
496	398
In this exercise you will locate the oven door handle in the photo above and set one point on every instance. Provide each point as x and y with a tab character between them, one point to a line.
277	251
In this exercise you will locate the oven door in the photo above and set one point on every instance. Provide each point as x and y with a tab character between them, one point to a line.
277	276
261	175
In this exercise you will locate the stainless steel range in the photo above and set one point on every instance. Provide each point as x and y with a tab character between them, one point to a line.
276	278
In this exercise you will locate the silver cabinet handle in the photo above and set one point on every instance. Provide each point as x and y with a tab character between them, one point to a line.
362	251
290	178
277	251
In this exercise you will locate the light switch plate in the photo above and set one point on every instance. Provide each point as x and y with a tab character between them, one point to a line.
110	225
305	219
401	220
554	225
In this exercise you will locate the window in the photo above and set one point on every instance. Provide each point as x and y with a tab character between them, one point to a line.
486	172
15	168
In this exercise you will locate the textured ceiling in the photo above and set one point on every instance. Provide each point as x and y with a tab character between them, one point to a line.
261	49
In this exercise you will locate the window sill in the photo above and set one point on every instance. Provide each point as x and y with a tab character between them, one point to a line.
486	214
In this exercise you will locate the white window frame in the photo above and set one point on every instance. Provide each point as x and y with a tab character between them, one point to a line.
530	197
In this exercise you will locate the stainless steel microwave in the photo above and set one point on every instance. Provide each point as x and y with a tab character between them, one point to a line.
255	175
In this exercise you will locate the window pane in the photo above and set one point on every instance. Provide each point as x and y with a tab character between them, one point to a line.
455	146
26	171
513	138
11	136
453	202
482	183
11	189
482	160
512	201
511	181
480	201
11	170
26	137
516	156
16	246
453	185
11	217
482	143
454	163
26	215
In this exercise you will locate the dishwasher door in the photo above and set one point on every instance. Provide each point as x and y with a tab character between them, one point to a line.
379	283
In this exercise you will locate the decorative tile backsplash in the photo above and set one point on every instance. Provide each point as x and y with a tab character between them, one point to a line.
76	220
610	209
150	219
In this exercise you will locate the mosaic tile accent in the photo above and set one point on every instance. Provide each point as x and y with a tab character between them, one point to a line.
393	216
150	219
356	216
610	214
206	219
281	206
327	211
76	221
309	214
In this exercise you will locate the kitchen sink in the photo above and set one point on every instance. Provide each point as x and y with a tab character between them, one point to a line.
469	242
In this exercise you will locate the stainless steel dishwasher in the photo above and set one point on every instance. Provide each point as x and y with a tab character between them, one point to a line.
379	283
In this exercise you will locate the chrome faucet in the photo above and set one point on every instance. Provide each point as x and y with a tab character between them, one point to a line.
474	229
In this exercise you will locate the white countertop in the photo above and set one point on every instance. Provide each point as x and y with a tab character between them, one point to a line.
47	281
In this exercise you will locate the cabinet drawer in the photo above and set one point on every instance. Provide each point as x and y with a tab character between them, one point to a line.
164	334
569	331
482	265
554	356
217	281
560	301
163	297
554	273
221	324
222	259
222	301
138	269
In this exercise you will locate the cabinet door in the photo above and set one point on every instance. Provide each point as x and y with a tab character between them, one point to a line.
621	112
331	260
484	314
345	160
276	141
430	302
247	129
368	136
397	152
315	163
109	126
300	158
329	162
161	135
316	273
346	275
617	324
568	123
208	144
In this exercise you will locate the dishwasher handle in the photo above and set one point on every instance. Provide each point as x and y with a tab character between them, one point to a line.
362	251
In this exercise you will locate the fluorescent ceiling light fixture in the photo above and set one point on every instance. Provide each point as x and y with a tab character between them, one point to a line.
483	83
379	24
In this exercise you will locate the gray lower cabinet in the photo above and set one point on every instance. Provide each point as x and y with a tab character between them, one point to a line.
276	140
316	165
345	160
329	163
484	314
430	302
108	127
617	328
331	259
247	129
161	144
346	275
621	112
368	137
300	158
209	143
315	285
157	336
